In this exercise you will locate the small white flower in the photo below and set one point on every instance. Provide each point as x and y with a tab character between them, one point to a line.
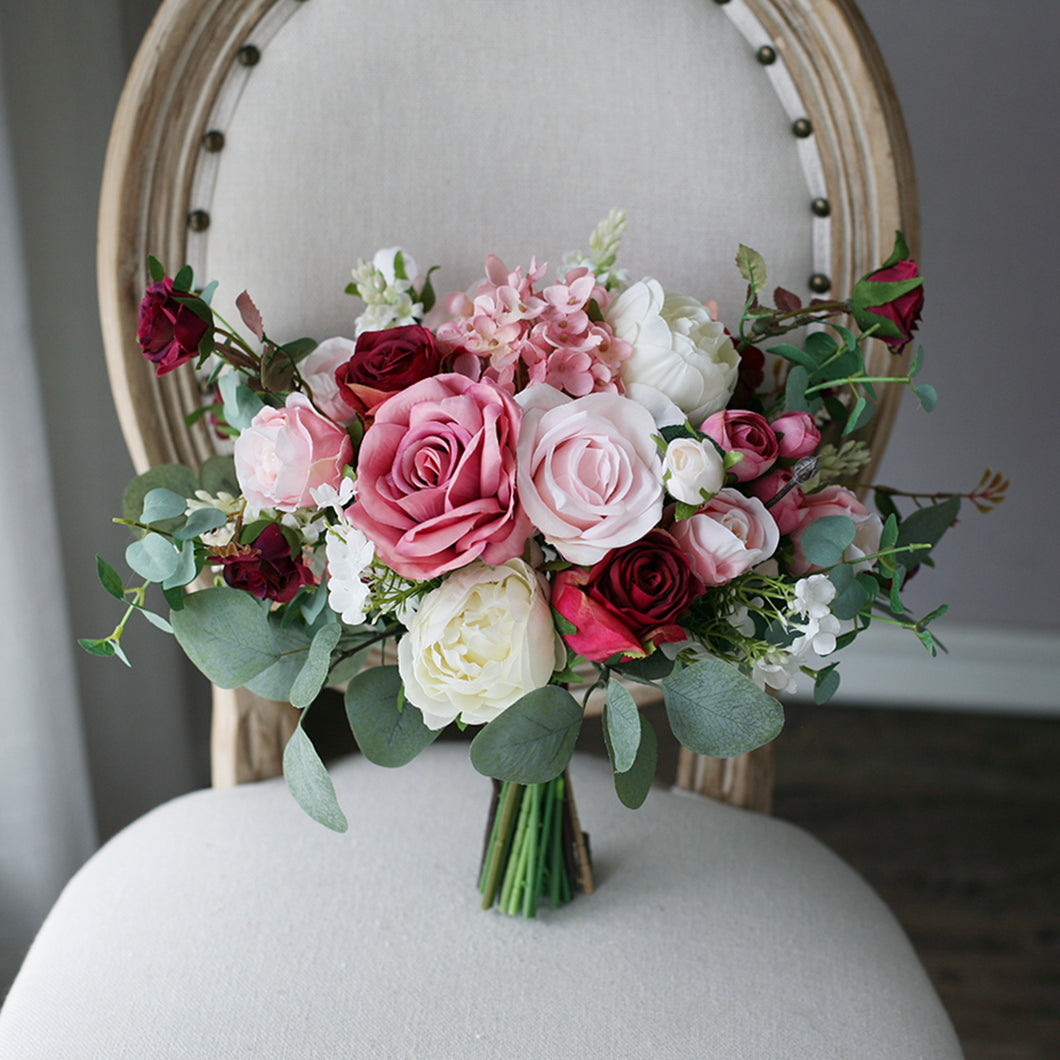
813	596
776	670
693	471
818	636
326	496
349	554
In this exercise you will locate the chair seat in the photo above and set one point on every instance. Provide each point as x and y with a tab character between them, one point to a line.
226	923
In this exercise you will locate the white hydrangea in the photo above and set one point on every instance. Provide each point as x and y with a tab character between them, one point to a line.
349	554
777	670
814	596
388	298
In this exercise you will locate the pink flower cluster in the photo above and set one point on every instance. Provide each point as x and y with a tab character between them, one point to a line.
514	335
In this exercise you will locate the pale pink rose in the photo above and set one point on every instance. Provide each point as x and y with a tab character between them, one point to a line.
729	535
318	370
737	430
590	475
837	500
788	510
797	435
286	453
436	478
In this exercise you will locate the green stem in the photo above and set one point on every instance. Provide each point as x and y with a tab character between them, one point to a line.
501	834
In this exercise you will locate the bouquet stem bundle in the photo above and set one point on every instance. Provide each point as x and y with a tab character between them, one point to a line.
534	849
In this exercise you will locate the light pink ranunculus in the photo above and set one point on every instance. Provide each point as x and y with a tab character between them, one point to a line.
285	453
729	535
590	475
797	435
318	370
436	478
837	500
737	430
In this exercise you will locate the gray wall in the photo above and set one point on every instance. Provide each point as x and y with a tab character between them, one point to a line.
977	86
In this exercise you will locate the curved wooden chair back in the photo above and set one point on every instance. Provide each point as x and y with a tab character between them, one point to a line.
271	143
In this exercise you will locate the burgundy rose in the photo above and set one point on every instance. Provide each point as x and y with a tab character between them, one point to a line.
891	298
170	331
385	362
903	311
737	430
752	372
628	601
267	570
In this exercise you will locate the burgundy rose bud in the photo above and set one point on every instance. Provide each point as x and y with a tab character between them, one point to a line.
629	601
170	331
891	298
752	373
267	570
385	362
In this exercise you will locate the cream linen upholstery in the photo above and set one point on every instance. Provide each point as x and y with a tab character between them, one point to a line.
228	924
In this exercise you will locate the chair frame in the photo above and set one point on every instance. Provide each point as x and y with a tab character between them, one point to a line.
145	204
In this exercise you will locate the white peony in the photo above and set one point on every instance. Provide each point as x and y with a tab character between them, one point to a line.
477	643
693	471
678	348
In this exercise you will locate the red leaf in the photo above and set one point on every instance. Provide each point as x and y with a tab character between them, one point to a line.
786	302
251	317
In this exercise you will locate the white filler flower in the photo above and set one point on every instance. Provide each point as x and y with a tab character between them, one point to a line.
349	554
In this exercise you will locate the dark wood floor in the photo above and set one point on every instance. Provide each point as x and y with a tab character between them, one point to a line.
954	820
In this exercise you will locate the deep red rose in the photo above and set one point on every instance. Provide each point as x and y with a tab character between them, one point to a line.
385	362
752	372
903	311
169	331
629	601
268	570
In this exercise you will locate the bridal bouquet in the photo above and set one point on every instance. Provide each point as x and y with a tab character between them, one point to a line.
560	486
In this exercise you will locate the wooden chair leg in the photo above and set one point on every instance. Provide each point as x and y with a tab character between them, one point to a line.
248	736
745	781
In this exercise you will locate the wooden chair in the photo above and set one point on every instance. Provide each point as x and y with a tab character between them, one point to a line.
270	143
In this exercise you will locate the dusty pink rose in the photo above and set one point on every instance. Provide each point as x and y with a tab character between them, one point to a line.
729	535
590	475
736	430
285	453
797	435
436	478
836	500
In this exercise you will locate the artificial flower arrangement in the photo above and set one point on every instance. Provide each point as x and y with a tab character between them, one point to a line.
565	486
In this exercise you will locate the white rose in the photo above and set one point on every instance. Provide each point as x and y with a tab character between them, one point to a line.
477	643
693	471
318	370
678	349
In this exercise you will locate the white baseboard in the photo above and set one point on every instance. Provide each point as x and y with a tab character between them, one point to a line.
992	669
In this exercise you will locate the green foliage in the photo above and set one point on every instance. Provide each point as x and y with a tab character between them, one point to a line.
621	726
310	680
652	667
715	710
532	741
926	526
633	784
752	267
309	783
177	478
389	730
153	557
161	504
826	539
826	684
241	404
218	475
291	645
109	579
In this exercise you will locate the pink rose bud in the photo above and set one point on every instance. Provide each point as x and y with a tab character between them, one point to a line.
797	435
736	430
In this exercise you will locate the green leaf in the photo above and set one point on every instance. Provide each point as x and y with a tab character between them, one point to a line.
308	780
109	579
103	647
794	354
795	389
826	684
927	395
388	729
926	526
850	596
226	634
752	267
918	363
296	349
176	477
890	531
160	504
208	291
241	404
292	647
185	571
156	620
184	279
314	673
201	521
153	557
652	667
715	710
218	475
633	785
155	268
621	726
532	741
826	539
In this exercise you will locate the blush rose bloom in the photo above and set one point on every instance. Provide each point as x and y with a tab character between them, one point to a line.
286	453
748	433
318	370
678	348
692	468
436	478
480	641
728	536
590	476
837	500
797	435
629	601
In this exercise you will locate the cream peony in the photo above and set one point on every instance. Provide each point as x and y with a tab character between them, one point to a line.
477	643
678	348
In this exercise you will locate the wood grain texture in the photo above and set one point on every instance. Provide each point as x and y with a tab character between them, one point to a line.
160	121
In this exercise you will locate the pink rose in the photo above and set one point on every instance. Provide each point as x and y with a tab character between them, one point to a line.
436	478
797	435
748	433
285	453
318	370
590	475
729	535
788	510
901	313
836	500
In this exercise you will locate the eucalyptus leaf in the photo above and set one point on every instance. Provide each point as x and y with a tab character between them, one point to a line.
218	475
201	521
652	667
226	634
153	557
292	647
314	673
633	785
109	579
241	404
185	569
389	730
824	540
795	389
156	620
850	595
532	741
176	477
622	726
161	503
927	395
926	526
309	783
715	710
826	684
